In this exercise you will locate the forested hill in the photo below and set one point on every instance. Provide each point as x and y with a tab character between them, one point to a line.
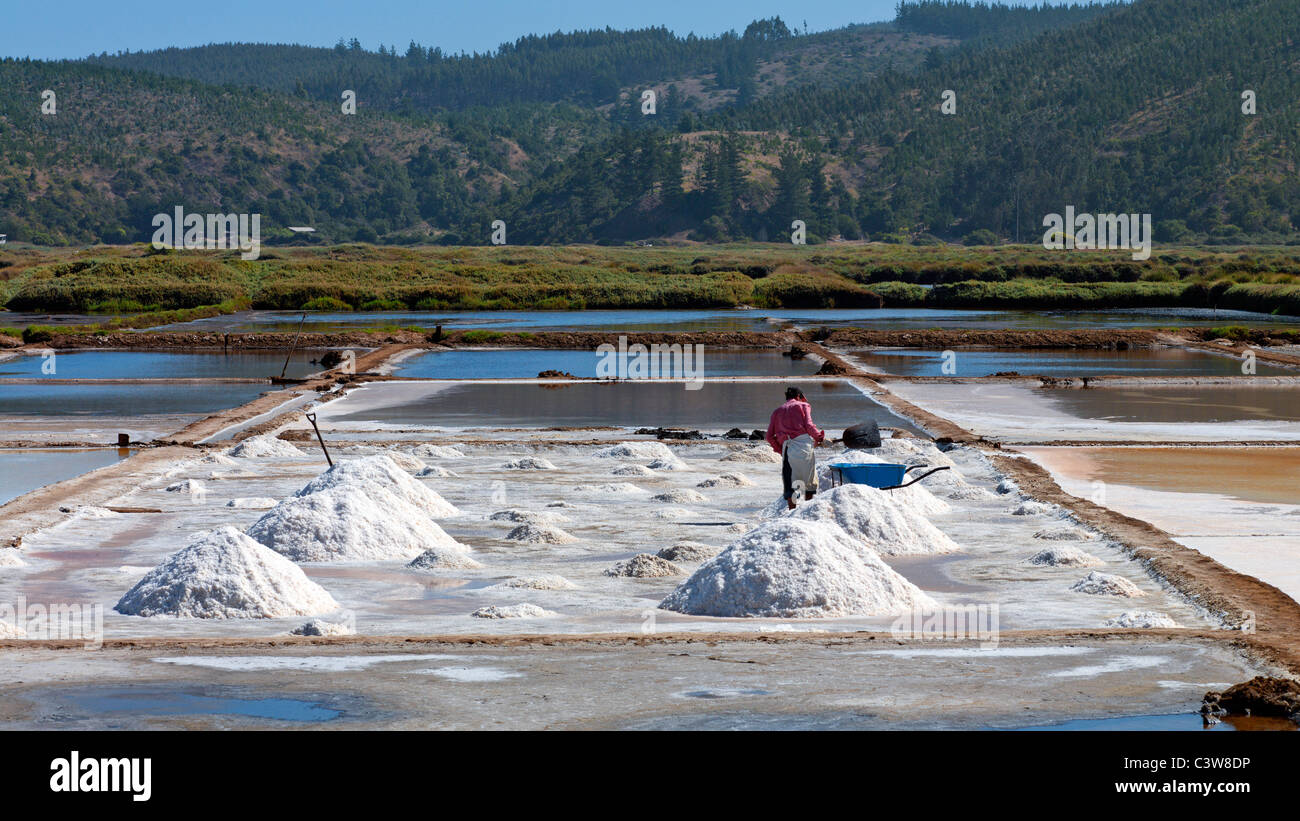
1109	108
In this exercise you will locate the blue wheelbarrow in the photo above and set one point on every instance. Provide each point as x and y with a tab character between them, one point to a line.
882	476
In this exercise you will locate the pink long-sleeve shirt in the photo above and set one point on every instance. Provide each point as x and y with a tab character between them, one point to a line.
792	419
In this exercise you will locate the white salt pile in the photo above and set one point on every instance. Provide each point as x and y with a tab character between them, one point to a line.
444	558
529	463
1063	534
512	611
218	459
790	568
1064	556
668	464
1105	584
192	486
224	574
612	489
437	472
641	451
1008	485
562	504
543	582
264	447
875	521
252	503
672	512
915	498
11	558
11	631
727	480
1032	508
347	523
320	627
437	452
405	461
1144	619
644	566
516	514
359	475
95	512
531	533
632	470
754	455
679	496
687	551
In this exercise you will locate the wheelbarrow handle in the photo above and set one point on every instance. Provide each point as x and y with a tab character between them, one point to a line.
917	479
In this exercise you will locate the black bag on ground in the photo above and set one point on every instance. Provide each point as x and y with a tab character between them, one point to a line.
863	436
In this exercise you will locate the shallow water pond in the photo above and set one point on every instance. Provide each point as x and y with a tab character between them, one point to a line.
22	471
522	364
150	364
111	399
1077	363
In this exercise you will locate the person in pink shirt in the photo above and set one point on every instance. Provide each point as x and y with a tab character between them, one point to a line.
792	434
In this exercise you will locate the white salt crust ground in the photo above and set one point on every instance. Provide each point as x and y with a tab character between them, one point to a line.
99	559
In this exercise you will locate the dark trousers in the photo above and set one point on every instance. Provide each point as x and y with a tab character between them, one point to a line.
787	490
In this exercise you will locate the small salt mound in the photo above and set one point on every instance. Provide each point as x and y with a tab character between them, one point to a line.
632	470
739	527
348	523
437	452
11	631
516	514
1032	508
1105	584
668	464
1064	556
645	566
672	512
94	512
444	558
1063	534
380	471
436	472
876	522
10	558
641	451
543	582
252	503
679	496
790	568
758	455
218	459
193	486
612	489
531	533
727	480
966	492
406	461
320	627
562	504
224	574
1008	486
512	611
1140	619
529	463
264	447
914	452
686	551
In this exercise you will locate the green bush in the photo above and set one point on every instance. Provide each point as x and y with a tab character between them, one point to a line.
34	334
325	303
384	305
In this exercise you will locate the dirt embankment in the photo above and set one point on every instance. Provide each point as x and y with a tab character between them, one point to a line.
1243	602
1119	338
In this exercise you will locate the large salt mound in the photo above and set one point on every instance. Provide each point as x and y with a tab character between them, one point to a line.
754	455
437	452
360	475
264	447
11	558
529	463
687	551
875	521
1105	584
531	533
348	523
1064	556
790	568
727	480
444	558
1140	619
512	611
679	496
642	451
224	574
644	566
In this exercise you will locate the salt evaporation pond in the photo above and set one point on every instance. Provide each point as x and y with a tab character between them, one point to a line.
112	399
714	406
1189	403
22	471
150	364
729	319
521	364
1078	363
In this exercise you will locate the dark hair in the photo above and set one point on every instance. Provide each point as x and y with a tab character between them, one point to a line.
793	393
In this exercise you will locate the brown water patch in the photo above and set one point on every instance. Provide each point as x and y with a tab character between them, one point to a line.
1266	475
1180	404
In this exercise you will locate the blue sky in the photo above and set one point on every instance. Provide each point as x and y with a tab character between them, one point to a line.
76	28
